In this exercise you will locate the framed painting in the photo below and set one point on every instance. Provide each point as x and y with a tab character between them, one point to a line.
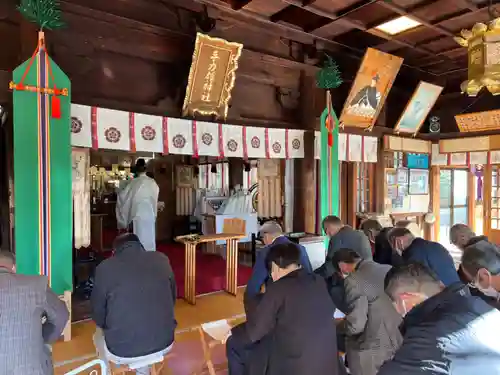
417	109
185	176
370	89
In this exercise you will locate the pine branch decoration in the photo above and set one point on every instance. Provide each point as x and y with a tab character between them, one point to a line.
45	13
329	77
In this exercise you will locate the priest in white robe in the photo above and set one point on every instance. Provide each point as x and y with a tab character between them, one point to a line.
137	205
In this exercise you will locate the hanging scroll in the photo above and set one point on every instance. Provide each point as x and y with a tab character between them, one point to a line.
370	89
212	76
417	109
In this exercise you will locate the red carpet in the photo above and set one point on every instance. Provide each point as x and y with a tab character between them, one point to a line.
210	269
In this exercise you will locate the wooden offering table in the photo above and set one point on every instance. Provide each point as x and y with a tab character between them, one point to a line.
190	244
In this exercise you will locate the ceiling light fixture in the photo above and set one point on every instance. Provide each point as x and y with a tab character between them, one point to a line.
398	25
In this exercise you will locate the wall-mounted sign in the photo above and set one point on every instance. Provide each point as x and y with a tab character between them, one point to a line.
212	76
370	88
417	161
418	108
479	121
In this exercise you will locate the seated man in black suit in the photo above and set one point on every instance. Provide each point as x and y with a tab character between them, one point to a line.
290	329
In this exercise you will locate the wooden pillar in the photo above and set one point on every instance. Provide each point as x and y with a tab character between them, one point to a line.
487	183
435	201
471	201
28	39
236	166
304	216
352	193
380	183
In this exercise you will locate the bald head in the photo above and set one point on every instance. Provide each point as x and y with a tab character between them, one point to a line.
7	260
460	235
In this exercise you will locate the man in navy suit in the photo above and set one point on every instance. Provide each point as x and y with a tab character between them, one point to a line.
271	234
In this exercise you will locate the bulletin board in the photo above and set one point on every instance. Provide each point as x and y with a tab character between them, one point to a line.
407	190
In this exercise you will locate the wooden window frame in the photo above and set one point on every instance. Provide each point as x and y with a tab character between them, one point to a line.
365	187
452	205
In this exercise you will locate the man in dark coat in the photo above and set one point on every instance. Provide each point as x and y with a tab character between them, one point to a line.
290	330
481	266
446	331
133	304
431	254
272	235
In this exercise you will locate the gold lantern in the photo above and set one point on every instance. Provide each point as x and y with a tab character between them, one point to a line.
483	44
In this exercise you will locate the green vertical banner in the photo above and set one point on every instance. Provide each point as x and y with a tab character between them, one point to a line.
329	164
42	170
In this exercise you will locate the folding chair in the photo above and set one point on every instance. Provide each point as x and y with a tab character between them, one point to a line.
210	339
156	367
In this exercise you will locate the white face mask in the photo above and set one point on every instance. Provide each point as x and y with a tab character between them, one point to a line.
489	291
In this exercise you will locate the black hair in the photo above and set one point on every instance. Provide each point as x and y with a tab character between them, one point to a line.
125	241
370	225
283	255
331	219
140	165
346	256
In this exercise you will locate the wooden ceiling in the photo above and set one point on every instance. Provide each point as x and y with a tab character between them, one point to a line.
135	54
349	25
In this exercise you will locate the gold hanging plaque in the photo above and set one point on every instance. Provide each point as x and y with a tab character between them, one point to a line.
212	76
478	121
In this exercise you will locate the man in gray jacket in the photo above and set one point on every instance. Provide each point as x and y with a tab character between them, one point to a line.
371	324
31	316
342	237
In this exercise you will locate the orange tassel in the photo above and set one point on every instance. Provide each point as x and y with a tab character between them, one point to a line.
330	139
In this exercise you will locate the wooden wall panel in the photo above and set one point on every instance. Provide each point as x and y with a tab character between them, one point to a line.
270	190
464	144
185	201
435	201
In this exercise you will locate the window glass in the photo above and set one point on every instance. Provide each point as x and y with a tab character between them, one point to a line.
459	187
445	188
444	225
460	215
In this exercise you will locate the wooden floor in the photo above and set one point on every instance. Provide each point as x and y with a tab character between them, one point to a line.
188	355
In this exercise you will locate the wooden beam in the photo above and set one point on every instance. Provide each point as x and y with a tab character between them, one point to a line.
403	12
160	51
294	32
356	24
386	45
238	4
435	201
429	60
469	4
